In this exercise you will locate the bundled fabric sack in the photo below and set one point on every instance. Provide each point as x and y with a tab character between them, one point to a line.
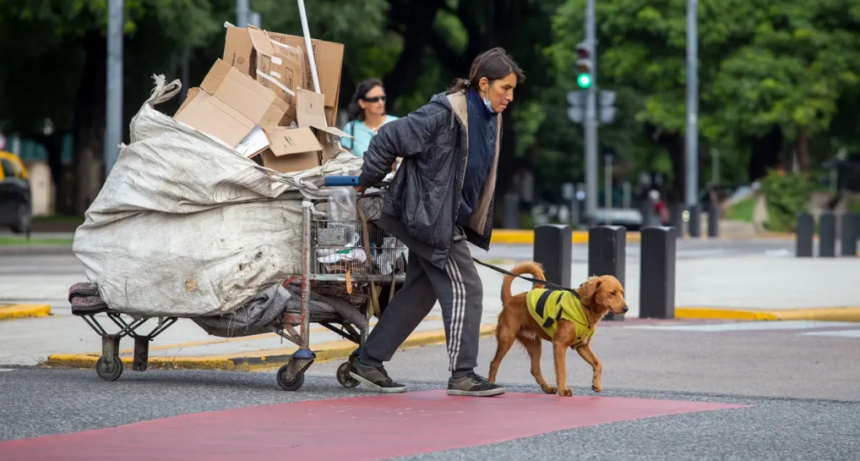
185	226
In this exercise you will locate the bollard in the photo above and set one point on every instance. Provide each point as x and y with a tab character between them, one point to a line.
694	227
678	219
647	210
714	220
657	273
607	255
512	211
804	231
827	235
552	250
848	233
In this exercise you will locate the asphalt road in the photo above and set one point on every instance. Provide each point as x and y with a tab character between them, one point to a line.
798	381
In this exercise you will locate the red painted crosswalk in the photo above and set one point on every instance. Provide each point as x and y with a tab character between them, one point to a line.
357	428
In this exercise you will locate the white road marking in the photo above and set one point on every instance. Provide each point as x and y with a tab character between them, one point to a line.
836	333
744	326
6	369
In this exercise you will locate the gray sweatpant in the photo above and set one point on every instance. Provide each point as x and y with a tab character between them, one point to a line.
459	291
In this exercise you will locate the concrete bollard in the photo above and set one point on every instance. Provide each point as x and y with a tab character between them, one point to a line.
827	235
552	250
512	211
714	220
849	231
804	231
657	273
694	227
607	255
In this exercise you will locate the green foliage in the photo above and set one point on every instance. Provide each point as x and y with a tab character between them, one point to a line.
743	210
786	195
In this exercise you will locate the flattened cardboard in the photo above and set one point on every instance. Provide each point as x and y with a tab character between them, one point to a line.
292	149
310	111
276	67
329	61
231	105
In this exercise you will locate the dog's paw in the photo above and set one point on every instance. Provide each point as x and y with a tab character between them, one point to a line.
596	388
565	392
549	390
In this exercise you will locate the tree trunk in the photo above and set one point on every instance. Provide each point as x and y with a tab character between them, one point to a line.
765	153
89	122
803	156
417	29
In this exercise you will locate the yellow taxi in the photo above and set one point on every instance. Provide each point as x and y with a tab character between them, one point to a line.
15	203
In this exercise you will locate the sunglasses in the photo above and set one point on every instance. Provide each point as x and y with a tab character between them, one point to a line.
375	99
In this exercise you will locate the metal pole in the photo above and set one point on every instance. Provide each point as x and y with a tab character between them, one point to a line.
607	188
254	19
311	59
242	11
113	128
692	102
591	121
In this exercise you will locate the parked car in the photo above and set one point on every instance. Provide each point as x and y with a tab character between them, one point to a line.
15	203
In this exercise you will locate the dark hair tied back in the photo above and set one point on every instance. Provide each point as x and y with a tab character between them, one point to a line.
494	65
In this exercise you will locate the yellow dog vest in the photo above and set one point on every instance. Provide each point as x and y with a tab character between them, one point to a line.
548	306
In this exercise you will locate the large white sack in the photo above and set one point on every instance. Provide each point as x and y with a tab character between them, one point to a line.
185	226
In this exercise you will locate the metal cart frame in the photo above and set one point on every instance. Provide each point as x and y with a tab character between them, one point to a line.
291	375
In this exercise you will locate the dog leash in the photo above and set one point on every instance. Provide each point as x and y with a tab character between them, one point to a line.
527	279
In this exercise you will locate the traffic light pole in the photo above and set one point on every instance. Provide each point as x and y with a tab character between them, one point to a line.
591	121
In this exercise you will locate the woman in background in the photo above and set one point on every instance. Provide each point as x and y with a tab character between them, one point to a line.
366	114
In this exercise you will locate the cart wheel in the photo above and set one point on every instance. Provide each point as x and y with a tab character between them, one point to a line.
109	372
293	385
344	378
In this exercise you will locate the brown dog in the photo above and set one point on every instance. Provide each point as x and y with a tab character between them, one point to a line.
565	328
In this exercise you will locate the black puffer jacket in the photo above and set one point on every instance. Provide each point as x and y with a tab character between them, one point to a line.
421	204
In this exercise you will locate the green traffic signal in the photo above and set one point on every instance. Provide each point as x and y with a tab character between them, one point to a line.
583	80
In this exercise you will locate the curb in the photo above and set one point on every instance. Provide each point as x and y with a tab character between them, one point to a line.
831	314
252	361
527	237
23	311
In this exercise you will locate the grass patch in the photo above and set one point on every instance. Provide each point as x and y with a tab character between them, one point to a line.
59	219
22	241
853	205
742	210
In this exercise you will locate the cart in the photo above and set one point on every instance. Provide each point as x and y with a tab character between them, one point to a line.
384	267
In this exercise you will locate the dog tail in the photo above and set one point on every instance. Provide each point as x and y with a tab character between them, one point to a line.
532	268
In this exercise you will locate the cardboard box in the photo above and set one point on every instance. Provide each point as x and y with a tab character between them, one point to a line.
229	105
278	67
239	51
329	61
297	149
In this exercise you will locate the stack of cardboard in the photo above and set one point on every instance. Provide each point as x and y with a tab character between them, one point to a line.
259	99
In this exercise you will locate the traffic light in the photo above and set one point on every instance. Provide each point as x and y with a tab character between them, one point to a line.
584	66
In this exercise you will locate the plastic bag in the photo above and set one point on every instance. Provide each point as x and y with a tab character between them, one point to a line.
342	204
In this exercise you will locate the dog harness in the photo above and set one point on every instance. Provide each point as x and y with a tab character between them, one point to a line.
548	306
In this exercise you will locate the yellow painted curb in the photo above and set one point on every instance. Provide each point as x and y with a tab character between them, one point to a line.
527	237
251	361
832	314
21	311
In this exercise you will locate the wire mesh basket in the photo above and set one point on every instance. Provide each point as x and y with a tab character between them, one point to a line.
339	245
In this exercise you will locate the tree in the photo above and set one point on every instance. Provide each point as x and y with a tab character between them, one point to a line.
54	73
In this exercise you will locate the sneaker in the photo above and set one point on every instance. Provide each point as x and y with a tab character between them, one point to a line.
375	378
473	385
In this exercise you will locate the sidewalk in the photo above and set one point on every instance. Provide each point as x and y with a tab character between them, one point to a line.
743	288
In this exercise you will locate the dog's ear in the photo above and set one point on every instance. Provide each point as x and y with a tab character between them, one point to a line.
587	289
